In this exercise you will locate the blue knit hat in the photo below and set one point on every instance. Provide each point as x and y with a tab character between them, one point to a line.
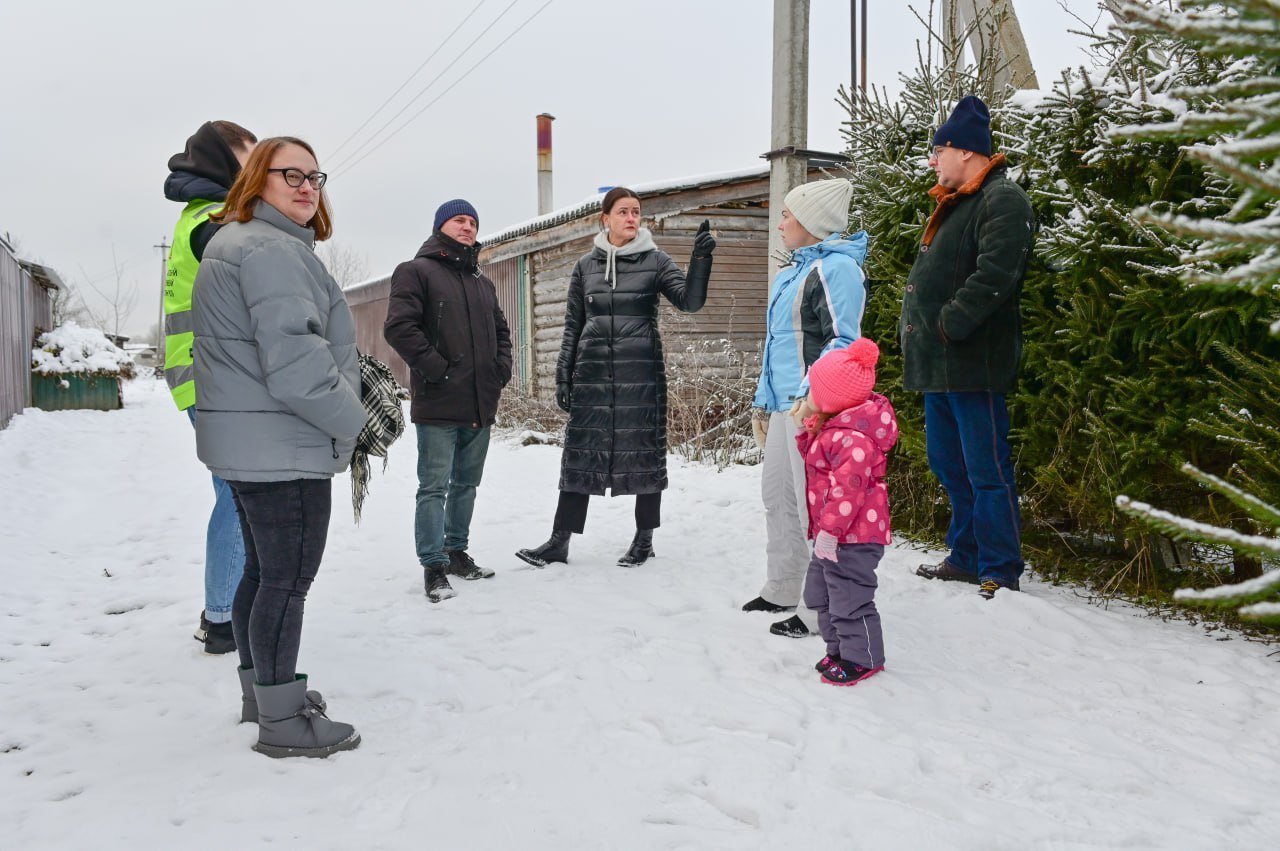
968	128
456	207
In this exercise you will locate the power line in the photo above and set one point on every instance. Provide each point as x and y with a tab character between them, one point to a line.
393	134
342	162
383	106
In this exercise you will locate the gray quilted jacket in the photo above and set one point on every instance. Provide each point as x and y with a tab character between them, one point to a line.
275	356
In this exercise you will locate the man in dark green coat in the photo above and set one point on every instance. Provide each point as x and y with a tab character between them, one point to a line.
961	336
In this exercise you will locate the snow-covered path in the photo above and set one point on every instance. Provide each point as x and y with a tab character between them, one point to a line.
583	706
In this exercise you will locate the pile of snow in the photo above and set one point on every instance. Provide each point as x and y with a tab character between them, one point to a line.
84	351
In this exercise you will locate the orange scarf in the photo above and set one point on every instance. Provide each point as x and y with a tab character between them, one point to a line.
948	198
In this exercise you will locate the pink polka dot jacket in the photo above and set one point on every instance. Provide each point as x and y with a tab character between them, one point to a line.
844	464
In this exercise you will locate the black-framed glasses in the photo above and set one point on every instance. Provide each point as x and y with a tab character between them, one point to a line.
295	176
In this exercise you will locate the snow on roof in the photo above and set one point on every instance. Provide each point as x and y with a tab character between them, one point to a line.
592	202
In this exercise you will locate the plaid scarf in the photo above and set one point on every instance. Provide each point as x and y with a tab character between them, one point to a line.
381	394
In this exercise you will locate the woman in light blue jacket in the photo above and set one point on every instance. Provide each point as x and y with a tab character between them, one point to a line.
815	305
278	413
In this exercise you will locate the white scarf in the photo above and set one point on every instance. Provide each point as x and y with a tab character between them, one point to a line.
643	242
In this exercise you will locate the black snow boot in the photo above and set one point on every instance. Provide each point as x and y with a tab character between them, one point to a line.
640	551
556	549
463	565
249	701
947	572
219	639
437	584
792	627
288	725
203	629
760	604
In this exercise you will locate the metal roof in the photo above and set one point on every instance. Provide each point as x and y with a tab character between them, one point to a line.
45	276
644	190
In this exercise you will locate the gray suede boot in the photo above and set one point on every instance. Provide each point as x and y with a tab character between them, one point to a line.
290	726
249	703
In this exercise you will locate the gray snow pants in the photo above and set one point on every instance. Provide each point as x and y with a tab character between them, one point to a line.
786	518
843	593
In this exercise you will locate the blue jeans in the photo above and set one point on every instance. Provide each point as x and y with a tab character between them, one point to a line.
223	551
450	463
967	440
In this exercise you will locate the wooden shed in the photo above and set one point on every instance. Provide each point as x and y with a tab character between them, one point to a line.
530	263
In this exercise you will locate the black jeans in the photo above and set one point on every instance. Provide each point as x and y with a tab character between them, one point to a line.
285	526
571	511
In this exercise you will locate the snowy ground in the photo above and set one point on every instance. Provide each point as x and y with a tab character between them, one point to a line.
583	706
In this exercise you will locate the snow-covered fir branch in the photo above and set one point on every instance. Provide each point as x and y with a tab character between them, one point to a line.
1183	527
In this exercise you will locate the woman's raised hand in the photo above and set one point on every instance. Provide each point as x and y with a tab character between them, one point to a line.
703	242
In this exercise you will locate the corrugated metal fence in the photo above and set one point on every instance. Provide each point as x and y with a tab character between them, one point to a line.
15	338
368	302
508	278
25	308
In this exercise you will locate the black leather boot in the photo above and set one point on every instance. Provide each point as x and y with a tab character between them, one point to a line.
641	549
556	549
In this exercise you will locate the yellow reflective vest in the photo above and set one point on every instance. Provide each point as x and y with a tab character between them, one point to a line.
180	277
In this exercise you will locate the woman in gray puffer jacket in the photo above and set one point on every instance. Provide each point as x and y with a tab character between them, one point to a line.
278	414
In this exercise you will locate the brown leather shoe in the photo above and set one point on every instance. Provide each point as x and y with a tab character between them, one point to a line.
947	572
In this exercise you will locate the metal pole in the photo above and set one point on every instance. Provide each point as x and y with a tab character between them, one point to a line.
164	274
853	49
865	27
545	204
790	122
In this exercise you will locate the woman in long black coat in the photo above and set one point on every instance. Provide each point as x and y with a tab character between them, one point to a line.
610	376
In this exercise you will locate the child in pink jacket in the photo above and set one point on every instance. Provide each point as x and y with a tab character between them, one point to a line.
844	448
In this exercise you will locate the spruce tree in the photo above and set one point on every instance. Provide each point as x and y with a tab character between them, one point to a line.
1126	370
890	141
1115	365
1232	125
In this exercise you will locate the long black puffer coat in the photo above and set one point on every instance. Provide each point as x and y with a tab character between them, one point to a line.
612	355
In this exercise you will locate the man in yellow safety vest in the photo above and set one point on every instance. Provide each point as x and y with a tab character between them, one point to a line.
199	177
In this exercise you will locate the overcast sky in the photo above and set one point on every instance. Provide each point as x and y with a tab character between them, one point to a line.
98	95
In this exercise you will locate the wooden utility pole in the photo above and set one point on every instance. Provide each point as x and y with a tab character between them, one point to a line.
959	15
789	135
164	274
857	62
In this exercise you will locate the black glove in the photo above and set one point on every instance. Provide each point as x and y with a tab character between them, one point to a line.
703	242
564	391
699	274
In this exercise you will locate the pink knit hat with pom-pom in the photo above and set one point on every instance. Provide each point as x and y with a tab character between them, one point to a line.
843	378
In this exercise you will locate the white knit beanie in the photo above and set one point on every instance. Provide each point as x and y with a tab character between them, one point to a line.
821	207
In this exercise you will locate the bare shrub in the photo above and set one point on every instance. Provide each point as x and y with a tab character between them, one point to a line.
531	419
710	387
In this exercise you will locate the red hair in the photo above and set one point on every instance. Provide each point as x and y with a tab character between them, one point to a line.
251	180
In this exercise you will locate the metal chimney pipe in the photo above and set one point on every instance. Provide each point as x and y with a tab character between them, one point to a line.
544	163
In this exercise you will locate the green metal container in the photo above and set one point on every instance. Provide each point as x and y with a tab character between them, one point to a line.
70	392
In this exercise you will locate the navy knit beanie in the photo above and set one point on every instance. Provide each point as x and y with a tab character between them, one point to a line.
456	207
968	128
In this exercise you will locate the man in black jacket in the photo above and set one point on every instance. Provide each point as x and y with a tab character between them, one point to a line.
443	318
961	336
